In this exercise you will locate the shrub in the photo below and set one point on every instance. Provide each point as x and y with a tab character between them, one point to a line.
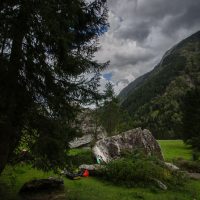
195	155
139	170
190	166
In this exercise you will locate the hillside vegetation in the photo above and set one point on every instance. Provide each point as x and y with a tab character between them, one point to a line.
155	100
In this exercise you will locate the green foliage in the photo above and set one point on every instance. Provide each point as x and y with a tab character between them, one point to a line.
163	114
155	99
157	83
110	115
43	68
75	159
125	121
140	170
188	165
109	92
108	112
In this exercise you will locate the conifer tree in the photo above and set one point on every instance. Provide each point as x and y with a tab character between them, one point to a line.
110	111
46	49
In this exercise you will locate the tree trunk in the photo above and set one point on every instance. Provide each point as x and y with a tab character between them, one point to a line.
5	140
13	108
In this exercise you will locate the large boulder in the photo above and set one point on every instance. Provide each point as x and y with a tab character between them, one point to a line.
112	147
43	189
42	184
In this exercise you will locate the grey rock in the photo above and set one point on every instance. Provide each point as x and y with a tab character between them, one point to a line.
171	166
81	141
85	140
90	167
160	184
195	176
93	169
111	147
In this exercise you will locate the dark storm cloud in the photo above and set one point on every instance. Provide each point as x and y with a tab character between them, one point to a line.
188	18
145	14
141	31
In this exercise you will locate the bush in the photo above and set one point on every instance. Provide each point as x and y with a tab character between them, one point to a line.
138	170
190	166
195	155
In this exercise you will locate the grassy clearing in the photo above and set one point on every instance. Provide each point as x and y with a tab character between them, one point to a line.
13	178
95	189
173	149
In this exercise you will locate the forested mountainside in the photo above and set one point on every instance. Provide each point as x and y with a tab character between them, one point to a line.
155	100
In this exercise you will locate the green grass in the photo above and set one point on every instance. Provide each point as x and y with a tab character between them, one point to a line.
74	152
94	189
13	178
173	149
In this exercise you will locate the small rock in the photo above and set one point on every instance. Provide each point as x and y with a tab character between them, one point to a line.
195	176
90	167
93	169
160	184
171	166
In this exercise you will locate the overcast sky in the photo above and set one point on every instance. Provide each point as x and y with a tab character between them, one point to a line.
140	32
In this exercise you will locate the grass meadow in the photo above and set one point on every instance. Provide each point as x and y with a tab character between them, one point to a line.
95	189
173	149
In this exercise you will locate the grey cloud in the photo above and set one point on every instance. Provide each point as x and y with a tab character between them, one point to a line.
123	60
138	32
141	31
122	81
189	17
139	20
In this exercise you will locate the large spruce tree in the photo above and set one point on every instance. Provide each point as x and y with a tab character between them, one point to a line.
46	49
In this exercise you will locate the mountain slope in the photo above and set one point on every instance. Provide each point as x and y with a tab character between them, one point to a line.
154	100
